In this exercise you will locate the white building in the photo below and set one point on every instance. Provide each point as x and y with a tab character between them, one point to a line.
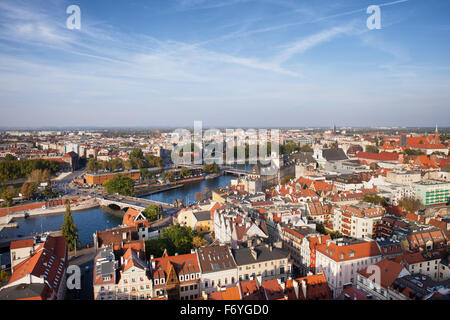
340	261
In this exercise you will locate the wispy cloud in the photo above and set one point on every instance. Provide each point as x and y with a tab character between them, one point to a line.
310	42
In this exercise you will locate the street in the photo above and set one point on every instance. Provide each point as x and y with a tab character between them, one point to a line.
84	258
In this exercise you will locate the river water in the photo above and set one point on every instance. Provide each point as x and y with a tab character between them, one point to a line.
92	220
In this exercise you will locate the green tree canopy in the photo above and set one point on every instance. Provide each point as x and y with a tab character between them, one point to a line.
306	148
152	213
119	184
372	149
175	239
69	229
411	204
211	168
376	199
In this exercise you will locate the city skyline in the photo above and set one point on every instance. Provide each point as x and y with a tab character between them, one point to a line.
229	63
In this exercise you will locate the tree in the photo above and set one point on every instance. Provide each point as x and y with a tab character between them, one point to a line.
412	152
92	165
306	148
211	168
411	204
289	148
137	159
185	172
128	165
17	169
372	149
10	157
4	277
116	164
198	242
174	239
145	174
7	195
168	176
119	184
375	199
152	213
48	193
38	176
154	161
27	190
69	230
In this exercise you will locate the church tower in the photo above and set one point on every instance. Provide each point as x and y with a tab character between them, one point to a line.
437	139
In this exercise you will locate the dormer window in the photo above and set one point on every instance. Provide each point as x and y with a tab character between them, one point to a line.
181	278
156	281
161	281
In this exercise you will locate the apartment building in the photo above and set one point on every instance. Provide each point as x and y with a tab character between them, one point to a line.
176	277
358	221
266	261
218	268
378	279
340	260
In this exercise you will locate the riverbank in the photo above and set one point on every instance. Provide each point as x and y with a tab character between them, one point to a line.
152	190
74	207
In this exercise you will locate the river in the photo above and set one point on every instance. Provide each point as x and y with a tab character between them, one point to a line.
92	220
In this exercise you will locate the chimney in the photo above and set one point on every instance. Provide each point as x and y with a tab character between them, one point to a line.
304	288
259	280
254	253
153	265
176	253
282	284
151	257
295	284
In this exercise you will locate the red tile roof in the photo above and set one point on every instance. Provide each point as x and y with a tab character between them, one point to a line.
48	262
389	272
349	251
26	243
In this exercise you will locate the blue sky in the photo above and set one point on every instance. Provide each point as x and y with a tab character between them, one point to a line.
229	63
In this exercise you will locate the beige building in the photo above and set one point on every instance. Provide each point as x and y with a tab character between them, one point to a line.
197	217
425	263
403	177
134	281
266	261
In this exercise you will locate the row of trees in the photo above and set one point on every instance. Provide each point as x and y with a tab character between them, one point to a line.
136	161
19	169
211	168
288	148
174	239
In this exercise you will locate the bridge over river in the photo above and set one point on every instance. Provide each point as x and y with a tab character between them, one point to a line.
124	202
